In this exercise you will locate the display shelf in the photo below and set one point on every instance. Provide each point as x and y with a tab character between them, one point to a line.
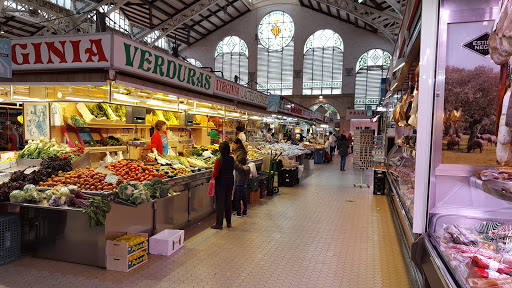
117	126
192	127
62	208
495	188
105	149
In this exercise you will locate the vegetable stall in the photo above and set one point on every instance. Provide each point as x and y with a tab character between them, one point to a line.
88	173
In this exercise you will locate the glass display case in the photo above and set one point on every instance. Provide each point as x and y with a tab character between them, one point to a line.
401	168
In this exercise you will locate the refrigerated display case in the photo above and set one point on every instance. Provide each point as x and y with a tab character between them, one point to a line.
401	169
464	222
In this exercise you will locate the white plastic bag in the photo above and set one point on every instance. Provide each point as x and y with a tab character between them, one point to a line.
254	172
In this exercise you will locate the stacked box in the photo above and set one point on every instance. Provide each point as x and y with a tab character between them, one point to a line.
118	253
290	177
254	196
262	184
10	238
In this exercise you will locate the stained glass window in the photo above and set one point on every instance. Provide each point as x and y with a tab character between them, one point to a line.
275	53
194	62
231	57
371	67
276	30
323	63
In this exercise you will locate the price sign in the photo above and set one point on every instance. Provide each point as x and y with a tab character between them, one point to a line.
111	178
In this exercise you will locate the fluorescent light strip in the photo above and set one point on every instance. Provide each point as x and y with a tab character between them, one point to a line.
21	97
82	100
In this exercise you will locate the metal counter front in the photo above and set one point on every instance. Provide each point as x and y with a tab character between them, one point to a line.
63	234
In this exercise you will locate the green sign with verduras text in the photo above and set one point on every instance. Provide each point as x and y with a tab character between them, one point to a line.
136	58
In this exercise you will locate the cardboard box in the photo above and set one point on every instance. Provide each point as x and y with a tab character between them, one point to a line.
123	264
166	242
123	249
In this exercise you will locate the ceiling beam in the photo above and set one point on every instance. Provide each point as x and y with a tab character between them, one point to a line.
182	17
234	7
169	5
369	15
217	16
395	6
118	5
200	25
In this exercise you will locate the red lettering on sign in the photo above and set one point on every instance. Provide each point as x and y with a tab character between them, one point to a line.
24	56
96	43
47	52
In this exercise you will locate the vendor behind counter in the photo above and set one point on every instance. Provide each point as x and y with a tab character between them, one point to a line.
159	141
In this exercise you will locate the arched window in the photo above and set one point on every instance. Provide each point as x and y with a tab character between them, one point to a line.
194	62
371	67
275	53
323	63
232	58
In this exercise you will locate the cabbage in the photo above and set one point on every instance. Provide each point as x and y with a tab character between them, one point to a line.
34	196
29	188
17	196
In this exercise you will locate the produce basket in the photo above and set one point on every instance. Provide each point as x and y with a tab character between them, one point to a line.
10	239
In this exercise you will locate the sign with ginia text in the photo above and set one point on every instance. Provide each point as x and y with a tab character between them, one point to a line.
139	59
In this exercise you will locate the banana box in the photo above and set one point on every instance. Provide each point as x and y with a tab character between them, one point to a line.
126	244
126	264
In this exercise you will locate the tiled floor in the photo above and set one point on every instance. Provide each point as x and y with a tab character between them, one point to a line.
321	233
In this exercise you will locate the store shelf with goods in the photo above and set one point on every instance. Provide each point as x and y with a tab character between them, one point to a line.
118	126
401	171
105	149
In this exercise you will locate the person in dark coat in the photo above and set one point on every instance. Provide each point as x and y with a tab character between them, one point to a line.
343	147
224	182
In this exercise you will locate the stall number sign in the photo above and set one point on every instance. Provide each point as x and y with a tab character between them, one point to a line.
136	58
479	45
368	101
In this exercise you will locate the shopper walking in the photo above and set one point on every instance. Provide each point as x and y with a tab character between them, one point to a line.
327	147
332	142
239	150
224	181
242	173
159	141
343	147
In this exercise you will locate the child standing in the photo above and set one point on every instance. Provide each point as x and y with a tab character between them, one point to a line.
242	173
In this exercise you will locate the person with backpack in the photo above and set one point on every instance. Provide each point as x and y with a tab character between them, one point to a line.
224	182
242	174
343	147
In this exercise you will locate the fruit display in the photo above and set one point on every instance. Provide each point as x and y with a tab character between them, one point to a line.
114	141
165	116
197	163
148	160
102	111
77	121
74	153
253	155
85	179
286	149
132	171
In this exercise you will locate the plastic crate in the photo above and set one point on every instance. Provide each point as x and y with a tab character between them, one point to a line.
10	238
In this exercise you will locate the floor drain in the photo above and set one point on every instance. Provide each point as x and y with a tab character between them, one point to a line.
350	200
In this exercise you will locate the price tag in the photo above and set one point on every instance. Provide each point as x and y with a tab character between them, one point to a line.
111	178
30	170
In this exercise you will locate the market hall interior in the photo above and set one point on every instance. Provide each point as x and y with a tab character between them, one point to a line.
321	233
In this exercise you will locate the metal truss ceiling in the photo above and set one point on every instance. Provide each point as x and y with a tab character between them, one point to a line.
186	21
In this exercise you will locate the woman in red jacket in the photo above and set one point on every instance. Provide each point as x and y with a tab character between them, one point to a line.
159	141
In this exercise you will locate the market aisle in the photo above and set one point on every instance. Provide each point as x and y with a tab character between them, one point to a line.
322	233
